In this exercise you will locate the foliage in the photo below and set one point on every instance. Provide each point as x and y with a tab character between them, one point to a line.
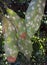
39	54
